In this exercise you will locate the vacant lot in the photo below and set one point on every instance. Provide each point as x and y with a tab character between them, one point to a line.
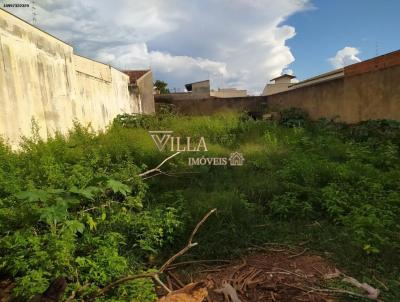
77	206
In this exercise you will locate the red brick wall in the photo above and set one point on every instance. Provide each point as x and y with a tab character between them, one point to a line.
374	64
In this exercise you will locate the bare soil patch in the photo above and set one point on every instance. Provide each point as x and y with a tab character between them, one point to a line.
271	275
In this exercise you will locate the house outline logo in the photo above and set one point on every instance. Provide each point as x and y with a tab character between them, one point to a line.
236	159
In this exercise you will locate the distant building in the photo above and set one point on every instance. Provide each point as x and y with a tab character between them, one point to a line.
281	83
201	88
284	82
141	83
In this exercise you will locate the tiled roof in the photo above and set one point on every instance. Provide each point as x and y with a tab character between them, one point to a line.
135	75
284	76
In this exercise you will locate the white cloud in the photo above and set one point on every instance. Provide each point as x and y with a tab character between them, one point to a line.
345	56
236	43
181	68
288	71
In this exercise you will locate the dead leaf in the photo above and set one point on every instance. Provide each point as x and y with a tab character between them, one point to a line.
193	292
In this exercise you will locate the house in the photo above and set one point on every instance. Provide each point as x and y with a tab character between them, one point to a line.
284	82
281	83
201	88
141	83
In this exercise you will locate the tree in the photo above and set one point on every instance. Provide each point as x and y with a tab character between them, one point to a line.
161	86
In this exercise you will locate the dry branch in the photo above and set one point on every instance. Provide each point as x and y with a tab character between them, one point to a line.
155	275
189	245
299	254
157	169
74	293
196	262
338	291
229	292
176	279
372	292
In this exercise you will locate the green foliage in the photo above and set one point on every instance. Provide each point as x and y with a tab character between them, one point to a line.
161	86
78	210
375	131
75	206
293	117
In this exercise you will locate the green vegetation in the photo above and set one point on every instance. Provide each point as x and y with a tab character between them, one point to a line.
75	206
161	86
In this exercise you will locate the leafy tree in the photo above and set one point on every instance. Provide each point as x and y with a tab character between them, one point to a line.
161	86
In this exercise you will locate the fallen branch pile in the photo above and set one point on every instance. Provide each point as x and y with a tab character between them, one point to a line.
279	274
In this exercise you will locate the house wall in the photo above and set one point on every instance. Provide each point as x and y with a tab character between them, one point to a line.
201	88
275	88
145	86
102	93
37	79
41	79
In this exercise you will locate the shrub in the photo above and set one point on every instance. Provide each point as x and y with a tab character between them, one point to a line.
74	205
293	117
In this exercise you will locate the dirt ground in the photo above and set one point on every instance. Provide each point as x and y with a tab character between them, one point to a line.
267	274
6	287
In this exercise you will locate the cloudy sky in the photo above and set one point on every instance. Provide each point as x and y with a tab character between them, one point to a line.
235	43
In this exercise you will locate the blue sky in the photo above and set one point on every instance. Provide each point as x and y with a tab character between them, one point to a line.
234	43
332	25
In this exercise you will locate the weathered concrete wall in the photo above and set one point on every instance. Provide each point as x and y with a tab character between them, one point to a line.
368	90
319	100
102	93
36	80
145	85
178	96
41	79
211	105
372	95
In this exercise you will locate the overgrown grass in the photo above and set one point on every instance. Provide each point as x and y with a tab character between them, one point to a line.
335	185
